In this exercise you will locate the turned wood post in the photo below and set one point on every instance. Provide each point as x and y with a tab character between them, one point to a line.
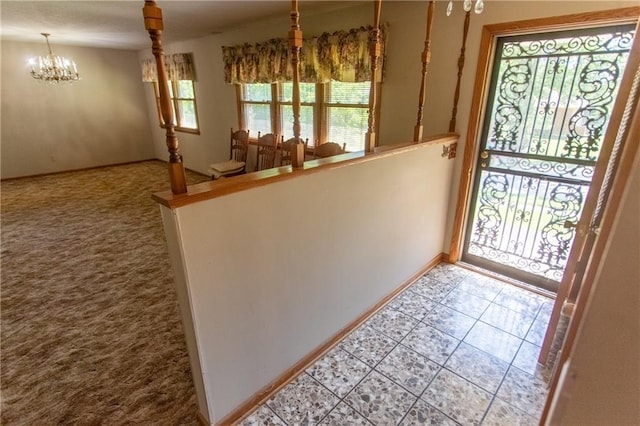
295	42
153	24
375	47
426	60
456	96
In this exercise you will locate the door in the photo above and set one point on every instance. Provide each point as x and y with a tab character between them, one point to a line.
548	107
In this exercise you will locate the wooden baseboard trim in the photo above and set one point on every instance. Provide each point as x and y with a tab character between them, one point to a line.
82	169
265	393
201	419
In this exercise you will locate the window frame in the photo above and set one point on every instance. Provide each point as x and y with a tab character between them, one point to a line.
175	101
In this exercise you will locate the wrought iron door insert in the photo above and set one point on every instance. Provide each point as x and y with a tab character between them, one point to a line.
548	108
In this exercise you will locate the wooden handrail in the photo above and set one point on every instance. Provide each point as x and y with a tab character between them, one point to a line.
375	47
426	60
153	24
295	43
219	188
456	95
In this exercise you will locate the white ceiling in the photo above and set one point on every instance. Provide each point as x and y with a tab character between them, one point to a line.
119	24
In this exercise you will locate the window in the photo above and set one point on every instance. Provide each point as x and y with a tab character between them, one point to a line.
257	107
329	112
347	106
307	108
183	104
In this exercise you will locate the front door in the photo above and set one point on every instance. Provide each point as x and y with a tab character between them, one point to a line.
548	107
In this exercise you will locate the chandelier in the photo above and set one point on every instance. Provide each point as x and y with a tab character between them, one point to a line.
52	68
467	5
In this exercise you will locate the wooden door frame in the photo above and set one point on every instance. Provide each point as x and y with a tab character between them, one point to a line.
490	33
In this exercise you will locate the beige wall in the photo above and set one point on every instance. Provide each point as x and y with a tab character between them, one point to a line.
266	285
101	119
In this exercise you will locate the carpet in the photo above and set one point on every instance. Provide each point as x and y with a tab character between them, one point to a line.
90	325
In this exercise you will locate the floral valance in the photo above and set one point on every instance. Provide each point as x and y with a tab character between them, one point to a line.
179	66
342	56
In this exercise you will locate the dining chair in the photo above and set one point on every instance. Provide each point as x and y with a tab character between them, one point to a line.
237	163
328	149
285	150
267	147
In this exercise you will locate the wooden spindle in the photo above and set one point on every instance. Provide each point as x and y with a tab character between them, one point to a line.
375	47
426	60
153	24
456	96
295	43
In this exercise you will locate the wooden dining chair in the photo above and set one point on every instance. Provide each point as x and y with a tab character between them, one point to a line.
285	150
237	163
328	149
267	147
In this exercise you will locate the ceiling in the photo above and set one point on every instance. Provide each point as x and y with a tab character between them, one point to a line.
119	24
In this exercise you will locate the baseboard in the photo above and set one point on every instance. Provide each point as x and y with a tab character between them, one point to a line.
202	421
82	169
265	393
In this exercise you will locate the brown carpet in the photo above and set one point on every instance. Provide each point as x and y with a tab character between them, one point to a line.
91	330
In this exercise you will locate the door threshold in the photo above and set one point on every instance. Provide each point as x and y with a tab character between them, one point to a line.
521	284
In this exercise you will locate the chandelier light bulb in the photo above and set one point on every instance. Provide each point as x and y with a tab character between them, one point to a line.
450	8
479	7
467	5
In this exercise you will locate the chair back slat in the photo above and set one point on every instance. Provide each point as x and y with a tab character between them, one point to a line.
239	145
267	147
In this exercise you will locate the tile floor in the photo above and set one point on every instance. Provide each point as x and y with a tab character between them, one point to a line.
455	348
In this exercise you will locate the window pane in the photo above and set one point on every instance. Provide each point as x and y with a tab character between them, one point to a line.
306	122
185	89
260	92
307	92
348	93
187	111
258	118
347	125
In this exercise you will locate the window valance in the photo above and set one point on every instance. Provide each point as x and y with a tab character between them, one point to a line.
342	56
179	66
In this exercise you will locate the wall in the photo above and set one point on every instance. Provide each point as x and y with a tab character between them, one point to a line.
99	120
605	365
272	272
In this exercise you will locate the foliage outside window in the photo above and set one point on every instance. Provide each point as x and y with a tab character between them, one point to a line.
329	112
183	105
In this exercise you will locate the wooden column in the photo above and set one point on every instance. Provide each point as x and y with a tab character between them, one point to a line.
295	42
375	47
154	25
426	60
456	96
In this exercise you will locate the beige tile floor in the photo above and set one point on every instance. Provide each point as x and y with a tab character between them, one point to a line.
455	348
